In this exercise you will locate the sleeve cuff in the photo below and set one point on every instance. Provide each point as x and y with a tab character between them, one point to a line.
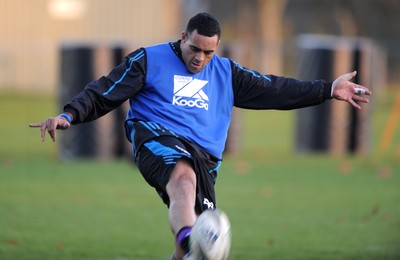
73	113
328	90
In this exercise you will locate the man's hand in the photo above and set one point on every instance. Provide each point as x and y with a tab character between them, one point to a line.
343	89
51	125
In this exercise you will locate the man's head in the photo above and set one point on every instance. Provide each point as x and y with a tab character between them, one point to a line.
205	24
199	41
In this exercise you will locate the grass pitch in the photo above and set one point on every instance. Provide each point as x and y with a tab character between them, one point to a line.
281	205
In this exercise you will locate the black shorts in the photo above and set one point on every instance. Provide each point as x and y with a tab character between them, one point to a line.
156	151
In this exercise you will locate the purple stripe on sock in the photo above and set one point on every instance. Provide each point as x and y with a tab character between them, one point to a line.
183	233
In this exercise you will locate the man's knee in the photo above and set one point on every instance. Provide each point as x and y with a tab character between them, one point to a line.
182	179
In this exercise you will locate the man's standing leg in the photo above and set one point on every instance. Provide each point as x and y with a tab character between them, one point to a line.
181	189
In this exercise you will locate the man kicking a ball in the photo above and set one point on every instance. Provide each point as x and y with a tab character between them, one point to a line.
181	97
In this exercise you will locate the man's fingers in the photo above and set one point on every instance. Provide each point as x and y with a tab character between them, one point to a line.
35	125
43	131
345	90
359	91
42	127
47	126
51	128
52	134
51	125
354	104
349	76
357	98
360	99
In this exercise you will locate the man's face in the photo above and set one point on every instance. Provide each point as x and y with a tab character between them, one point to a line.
197	50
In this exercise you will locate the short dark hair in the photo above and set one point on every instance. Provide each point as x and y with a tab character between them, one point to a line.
205	24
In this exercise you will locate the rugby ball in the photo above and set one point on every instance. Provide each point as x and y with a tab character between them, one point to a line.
210	237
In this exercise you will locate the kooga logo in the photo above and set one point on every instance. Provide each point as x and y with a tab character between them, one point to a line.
188	92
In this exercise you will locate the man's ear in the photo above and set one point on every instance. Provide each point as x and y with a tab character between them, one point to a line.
184	36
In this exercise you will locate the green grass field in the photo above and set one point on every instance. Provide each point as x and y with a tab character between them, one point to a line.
281	205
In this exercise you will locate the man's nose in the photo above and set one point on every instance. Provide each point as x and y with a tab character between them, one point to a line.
200	56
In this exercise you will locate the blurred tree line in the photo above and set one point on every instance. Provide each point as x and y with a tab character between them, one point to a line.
285	19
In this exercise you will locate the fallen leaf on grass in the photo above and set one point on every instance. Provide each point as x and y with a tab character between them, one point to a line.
242	168
375	210
12	241
385	173
59	246
345	168
340	219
